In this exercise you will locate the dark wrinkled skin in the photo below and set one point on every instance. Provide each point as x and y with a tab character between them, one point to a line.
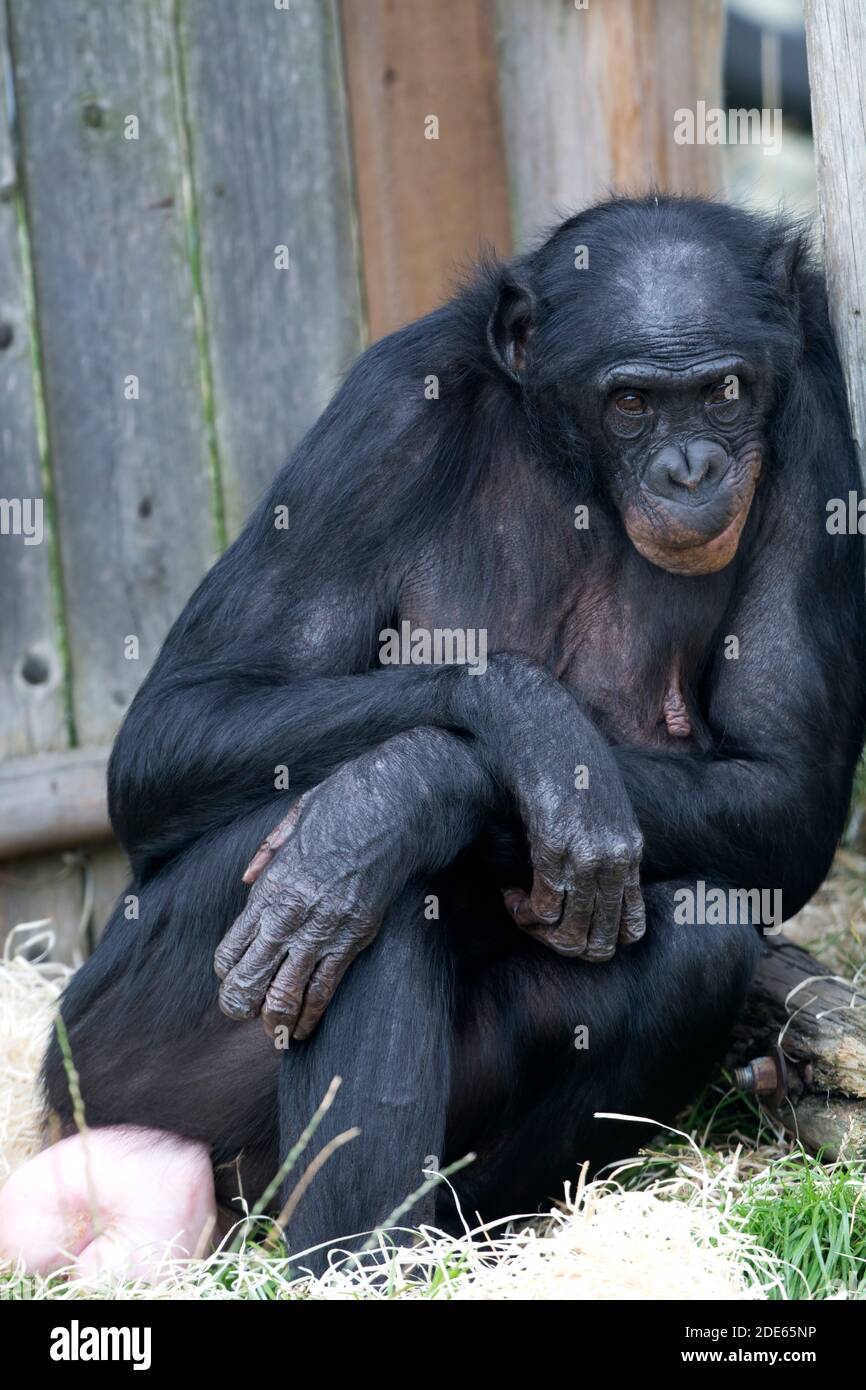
310	912
326	875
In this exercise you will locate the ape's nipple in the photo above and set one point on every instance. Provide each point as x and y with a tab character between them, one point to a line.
675	712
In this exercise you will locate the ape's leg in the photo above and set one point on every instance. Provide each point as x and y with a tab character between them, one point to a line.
147	1039
169	1086
527	1083
152	1050
387	1034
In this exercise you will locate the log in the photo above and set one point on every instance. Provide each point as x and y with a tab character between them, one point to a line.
819	1022
53	801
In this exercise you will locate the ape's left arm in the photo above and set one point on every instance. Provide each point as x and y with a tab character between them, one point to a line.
767	808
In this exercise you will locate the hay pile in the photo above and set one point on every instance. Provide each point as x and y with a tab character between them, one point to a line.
606	1242
28	997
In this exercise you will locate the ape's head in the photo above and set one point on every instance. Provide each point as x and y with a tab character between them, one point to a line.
685	443
644	334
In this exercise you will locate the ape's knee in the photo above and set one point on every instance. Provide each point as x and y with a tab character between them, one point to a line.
706	929
706	969
694	979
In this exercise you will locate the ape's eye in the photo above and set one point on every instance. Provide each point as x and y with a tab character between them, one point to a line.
631	403
723	399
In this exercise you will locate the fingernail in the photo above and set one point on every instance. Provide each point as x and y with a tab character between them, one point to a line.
259	861
235	1005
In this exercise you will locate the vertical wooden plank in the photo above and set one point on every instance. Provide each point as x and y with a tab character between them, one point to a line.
426	206
115	299
836	44
270	160
589	97
559	155
32	690
32	707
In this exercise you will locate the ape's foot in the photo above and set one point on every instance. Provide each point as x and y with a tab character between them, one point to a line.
121	1200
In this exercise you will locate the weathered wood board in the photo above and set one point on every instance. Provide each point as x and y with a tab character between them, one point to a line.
427	206
836	43
589	96
32	678
52	800
114	294
114	298
75	890
32	704
270	162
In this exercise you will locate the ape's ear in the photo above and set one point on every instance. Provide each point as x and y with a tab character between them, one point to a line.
510	326
783	261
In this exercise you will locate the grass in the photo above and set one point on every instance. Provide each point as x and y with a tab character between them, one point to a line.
813	1219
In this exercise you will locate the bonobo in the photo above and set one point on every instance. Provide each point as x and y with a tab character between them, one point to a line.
619	474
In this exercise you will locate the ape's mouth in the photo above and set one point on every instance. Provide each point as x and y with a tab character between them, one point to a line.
675	545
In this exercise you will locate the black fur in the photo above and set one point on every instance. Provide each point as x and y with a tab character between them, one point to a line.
459	1034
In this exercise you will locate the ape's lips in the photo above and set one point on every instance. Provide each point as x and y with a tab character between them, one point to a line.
683	550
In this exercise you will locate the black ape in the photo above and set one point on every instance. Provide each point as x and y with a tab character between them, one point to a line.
611	472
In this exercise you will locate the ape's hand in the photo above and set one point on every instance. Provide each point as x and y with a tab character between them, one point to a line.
586	896
322	881
584	839
326	875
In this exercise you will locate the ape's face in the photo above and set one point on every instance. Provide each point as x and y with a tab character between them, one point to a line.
684	449
655	356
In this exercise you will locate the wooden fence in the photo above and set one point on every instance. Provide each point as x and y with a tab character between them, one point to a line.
207	207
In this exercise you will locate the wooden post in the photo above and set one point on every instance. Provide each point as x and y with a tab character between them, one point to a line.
589	97
836	43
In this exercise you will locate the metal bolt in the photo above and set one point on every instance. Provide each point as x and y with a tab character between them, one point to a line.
764	1076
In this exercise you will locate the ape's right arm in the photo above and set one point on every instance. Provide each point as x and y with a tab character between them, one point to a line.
327	874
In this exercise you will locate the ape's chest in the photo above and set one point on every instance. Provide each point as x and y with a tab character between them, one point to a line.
633	669
636	690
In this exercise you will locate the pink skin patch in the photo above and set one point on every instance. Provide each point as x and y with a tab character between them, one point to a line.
675	712
121	1201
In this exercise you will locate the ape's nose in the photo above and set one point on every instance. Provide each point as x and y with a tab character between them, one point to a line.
698	466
